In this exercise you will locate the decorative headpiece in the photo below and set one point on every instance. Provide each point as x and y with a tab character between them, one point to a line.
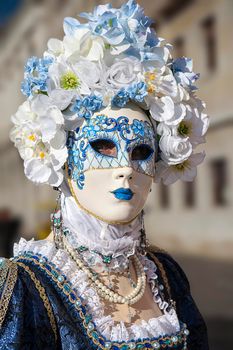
114	58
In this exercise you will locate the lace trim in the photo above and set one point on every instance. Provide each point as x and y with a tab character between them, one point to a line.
167	324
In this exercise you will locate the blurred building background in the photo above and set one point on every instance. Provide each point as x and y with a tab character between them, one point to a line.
194	221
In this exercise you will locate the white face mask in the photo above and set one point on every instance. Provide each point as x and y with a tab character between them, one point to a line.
111	163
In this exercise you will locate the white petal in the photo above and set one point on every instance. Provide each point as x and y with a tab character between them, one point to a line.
56	178
58	157
162	109
96	51
179	114
189	174
54	113
37	171
197	158
59	139
61	98
48	128
55	46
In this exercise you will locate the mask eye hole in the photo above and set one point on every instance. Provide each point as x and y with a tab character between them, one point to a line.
104	147
141	152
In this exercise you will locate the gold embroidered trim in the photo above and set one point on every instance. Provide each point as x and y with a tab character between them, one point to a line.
3	273
43	296
8	290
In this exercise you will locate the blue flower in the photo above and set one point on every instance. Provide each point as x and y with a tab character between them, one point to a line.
127	28
121	98
138	91
35	76
182	69
85	107
135	92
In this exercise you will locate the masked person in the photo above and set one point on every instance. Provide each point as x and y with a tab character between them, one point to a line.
108	113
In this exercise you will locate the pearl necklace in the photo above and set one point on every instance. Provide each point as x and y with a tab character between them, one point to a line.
106	292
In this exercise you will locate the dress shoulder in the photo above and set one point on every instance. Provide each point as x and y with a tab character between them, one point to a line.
26	316
8	278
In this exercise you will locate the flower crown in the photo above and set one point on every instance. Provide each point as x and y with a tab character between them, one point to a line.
114	58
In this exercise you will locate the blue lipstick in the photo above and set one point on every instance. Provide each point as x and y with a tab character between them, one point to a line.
123	193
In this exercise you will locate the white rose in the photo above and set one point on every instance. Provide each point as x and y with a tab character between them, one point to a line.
174	149
123	72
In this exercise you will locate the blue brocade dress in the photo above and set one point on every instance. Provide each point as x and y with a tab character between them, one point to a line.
40	310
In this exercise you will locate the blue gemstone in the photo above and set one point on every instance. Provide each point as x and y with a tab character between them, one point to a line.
66	287
95	335
88	318
54	273
101	341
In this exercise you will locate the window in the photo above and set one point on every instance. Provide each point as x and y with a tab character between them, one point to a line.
164	195
209	34
178	45
189	194
219	179
174	8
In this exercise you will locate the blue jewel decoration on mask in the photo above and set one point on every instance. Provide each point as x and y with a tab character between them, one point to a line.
125	137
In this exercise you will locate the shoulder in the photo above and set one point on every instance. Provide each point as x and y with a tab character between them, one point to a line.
24	304
171	270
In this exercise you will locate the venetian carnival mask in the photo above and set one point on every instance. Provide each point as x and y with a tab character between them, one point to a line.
111	163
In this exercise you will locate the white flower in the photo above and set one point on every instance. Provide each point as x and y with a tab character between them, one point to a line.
192	127
123	72
160	80
41	140
174	149
83	44
64	83
165	110
90	72
185	171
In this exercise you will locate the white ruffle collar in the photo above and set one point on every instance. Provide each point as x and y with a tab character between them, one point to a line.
168	323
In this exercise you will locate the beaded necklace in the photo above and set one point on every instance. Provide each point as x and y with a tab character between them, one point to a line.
106	292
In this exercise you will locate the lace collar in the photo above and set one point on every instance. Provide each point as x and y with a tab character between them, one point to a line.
86	230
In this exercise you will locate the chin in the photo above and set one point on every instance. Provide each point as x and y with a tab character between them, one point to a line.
123	212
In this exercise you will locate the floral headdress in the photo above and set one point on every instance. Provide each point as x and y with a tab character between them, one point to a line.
114	58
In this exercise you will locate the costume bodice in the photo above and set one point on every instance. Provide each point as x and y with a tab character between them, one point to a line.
43	311
166	324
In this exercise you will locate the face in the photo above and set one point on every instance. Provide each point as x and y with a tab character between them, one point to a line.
112	162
